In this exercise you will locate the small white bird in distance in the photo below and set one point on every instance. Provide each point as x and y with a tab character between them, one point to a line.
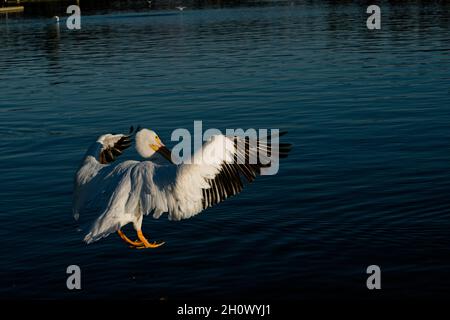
114	194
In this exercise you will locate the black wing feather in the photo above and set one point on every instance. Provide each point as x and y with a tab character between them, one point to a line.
110	154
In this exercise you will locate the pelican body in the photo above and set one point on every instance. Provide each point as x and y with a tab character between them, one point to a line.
113	194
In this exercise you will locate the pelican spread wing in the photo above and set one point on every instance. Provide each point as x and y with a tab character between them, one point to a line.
124	192
96	180
218	171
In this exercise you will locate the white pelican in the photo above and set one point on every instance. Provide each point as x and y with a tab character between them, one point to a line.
124	192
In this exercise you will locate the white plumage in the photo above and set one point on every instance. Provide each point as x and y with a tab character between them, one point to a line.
118	193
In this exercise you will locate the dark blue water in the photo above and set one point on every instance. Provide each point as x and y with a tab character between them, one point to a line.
368	181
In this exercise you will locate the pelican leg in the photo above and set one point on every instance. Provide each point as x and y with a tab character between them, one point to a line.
127	240
145	242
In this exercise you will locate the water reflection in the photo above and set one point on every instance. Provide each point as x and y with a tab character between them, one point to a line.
52	43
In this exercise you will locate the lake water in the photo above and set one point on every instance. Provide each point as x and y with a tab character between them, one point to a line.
368	180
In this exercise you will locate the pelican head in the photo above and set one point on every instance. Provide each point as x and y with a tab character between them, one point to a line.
148	142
